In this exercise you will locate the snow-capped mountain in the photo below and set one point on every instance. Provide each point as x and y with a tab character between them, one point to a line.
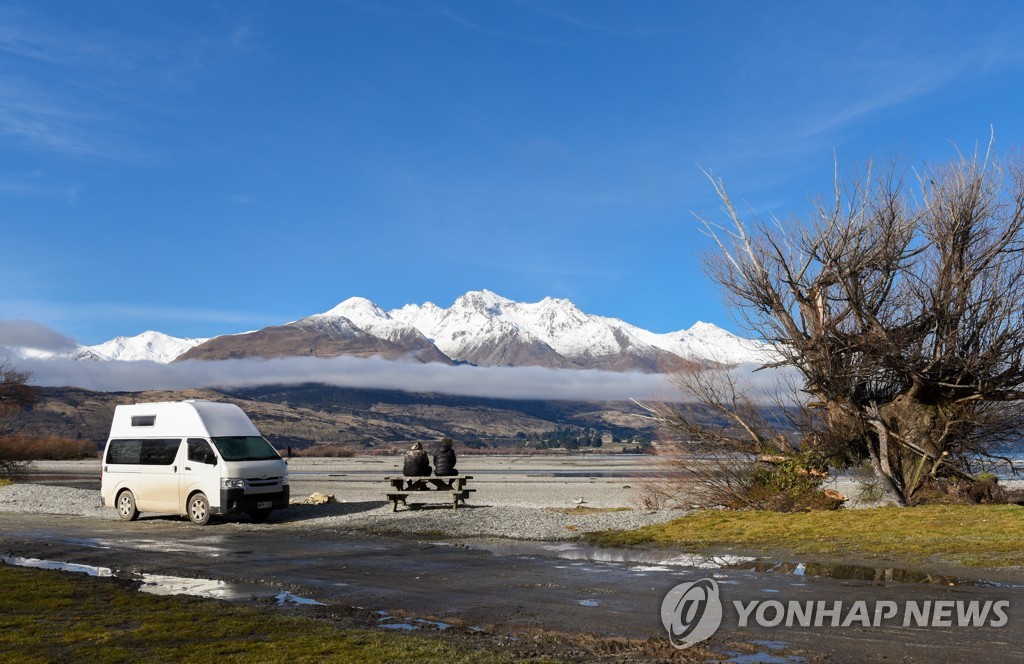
150	345
480	328
555	332
325	335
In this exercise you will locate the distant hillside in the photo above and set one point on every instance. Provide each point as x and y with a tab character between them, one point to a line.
316	414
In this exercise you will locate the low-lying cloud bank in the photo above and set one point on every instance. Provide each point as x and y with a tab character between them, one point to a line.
17	333
372	373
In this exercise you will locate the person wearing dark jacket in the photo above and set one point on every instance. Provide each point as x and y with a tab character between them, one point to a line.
444	459
416	462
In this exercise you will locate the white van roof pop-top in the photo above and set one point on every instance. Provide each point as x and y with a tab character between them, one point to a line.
175	419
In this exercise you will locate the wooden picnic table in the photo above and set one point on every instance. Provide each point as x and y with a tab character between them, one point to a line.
454	485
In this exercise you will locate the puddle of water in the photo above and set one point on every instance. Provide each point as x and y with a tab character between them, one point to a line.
579	552
161	584
149	545
864	573
764	658
771	645
588	602
90	542
36	563
385	617
645	561
288	598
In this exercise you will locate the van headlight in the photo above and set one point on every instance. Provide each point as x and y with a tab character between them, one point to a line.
284	480
232	483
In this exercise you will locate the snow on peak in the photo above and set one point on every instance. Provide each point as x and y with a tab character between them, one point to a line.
483	301
149	346
369	317
708	341
358	310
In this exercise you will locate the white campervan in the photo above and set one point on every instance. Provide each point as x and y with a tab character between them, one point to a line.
194	458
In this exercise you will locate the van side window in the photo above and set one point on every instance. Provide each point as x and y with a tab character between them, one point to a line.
159	452
124	451
199	450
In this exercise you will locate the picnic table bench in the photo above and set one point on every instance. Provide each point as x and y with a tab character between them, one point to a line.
454	485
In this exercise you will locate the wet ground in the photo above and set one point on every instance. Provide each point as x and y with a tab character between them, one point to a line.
516	589
512	588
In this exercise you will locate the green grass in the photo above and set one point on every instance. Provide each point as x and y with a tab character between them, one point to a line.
5	482
969	535
49	617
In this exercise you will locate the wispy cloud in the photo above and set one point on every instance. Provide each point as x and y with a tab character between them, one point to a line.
74	91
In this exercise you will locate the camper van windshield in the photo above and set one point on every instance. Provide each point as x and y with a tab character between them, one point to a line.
245	448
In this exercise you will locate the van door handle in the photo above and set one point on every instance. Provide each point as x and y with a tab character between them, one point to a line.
188	468
175	469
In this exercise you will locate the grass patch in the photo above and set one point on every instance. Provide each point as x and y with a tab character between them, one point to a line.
969	535
53	617
5	482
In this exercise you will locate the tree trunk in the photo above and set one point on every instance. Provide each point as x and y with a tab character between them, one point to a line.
889	488
880	457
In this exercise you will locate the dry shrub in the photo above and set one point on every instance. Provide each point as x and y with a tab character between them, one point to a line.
333	451
712	476
24	447
985	489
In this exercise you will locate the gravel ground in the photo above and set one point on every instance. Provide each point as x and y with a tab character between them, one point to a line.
528	498
516	497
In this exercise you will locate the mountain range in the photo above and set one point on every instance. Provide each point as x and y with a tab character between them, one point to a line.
481	328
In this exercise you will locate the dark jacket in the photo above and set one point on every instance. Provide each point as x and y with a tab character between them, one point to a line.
444	462
417	464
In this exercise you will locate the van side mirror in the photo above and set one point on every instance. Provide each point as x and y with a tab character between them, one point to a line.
210	459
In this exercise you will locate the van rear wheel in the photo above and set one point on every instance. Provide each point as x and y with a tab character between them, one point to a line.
126	508
199	509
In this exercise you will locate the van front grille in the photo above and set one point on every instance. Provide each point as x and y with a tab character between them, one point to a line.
270	481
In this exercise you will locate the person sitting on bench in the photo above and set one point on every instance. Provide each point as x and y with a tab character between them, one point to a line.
444	459
416	462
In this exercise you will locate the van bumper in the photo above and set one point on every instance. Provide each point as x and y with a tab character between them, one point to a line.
233	501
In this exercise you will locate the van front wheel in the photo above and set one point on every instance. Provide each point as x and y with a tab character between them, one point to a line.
126	508
199	509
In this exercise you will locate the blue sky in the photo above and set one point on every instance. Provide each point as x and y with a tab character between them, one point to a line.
210	167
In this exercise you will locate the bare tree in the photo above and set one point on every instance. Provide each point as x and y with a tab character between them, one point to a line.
725	444
902	314
15	394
